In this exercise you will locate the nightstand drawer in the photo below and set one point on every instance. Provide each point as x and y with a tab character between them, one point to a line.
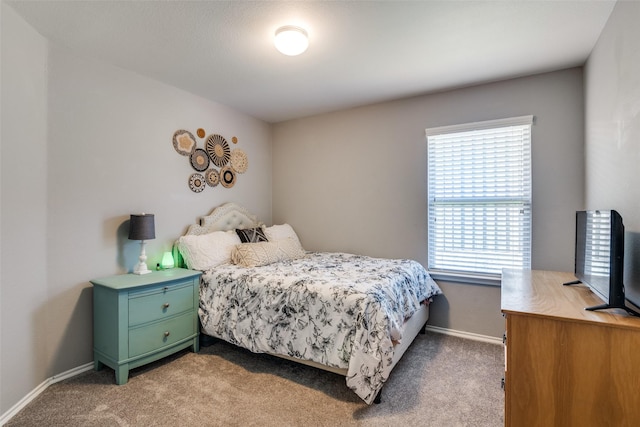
157	335
159	304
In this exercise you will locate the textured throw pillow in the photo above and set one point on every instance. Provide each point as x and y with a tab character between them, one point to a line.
263	253
207	250
280	232
251	235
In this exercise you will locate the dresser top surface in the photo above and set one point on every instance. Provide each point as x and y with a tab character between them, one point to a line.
126	281
541	293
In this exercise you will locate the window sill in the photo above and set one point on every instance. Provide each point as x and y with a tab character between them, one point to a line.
468	278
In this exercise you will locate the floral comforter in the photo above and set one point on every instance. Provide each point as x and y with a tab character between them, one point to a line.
336	309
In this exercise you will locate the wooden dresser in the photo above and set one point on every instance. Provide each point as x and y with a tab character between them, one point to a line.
565	366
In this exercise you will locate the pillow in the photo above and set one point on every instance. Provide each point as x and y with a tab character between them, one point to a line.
280	232
251	235
263	253
207	250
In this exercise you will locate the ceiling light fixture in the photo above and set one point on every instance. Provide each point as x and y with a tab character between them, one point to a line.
291	40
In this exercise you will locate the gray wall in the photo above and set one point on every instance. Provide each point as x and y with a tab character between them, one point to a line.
612	93
84	145
355	180
23	210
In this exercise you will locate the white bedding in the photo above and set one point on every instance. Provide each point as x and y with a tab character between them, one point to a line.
337	309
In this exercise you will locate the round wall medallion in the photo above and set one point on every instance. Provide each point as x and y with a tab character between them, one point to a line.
234	140
213	177
239	161
184	142
200	133
196	182
227	177
218	150
199	160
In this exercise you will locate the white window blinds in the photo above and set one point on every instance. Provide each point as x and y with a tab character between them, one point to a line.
479	197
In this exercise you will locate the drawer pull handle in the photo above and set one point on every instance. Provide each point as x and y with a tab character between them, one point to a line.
167	333
165	305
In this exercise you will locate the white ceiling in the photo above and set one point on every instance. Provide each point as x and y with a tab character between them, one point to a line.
360	52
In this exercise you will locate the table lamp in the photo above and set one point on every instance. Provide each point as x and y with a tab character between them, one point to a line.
142	227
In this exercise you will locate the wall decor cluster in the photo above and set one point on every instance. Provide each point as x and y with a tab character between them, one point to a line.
215	164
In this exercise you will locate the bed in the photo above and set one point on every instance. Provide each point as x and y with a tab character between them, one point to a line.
349	314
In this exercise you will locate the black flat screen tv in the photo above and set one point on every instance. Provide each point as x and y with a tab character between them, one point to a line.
599	257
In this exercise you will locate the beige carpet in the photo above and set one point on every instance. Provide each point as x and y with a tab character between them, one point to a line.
441	381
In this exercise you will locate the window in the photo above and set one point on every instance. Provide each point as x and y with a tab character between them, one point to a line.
479	198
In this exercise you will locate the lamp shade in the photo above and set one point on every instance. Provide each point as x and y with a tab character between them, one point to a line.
142	227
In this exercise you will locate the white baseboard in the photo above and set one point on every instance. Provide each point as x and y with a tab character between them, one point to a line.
42	387
466	335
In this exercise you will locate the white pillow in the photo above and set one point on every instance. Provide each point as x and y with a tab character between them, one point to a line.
281	232
207	250
263	253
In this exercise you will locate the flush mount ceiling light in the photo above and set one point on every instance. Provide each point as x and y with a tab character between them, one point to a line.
291	40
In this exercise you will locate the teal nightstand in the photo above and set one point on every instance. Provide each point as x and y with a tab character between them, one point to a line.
138	319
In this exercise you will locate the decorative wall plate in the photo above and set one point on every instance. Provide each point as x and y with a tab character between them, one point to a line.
200	133
227	177
218	150
184	142
196	182
213	177
199	160
234	140
239	161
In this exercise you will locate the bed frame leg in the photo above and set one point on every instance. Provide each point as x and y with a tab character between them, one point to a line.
206	340
378	398
423	330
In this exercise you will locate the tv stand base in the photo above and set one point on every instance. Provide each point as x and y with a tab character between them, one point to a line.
608	306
